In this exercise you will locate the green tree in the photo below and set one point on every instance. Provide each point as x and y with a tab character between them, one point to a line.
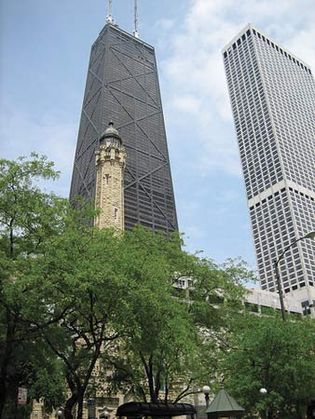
169	332
59	290
268	353
80	279
76	294
28	217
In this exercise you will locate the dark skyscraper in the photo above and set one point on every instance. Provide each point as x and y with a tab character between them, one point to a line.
122	85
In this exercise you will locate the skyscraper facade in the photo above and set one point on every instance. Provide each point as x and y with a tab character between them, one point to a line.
122	85
272	94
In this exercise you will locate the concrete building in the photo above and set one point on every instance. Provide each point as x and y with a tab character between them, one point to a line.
272	95
264	302
255	300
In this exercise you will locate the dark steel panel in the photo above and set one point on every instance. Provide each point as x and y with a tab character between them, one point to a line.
122	85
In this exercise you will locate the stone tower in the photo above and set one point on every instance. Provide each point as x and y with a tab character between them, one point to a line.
110	164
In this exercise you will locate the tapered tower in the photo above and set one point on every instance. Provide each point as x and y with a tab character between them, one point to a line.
110	165
122	85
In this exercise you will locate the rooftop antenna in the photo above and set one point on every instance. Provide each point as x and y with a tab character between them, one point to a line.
135	32
109	17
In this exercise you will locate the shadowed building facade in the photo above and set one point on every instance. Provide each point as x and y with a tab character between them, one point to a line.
122	85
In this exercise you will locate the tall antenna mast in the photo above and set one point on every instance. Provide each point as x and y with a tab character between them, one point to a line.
135	32
109	17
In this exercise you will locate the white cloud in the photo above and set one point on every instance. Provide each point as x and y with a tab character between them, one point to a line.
165	24
194	70
303	45
187	103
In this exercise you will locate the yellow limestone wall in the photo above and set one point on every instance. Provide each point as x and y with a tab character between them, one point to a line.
109	193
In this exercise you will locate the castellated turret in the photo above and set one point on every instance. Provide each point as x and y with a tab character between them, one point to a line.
109	194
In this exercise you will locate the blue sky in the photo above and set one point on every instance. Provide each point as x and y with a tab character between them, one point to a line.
44	52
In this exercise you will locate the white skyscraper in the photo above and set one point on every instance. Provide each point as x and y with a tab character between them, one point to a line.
273	101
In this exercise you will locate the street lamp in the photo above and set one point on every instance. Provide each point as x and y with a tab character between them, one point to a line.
60	413
263	391
104	414
310	235
206	392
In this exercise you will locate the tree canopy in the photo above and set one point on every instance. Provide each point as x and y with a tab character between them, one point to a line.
77	298
172	334
279	356
28	218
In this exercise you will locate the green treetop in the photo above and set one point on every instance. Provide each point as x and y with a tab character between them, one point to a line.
267	353
76	296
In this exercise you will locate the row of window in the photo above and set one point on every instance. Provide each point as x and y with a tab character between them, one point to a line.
279	49
269	42
270	197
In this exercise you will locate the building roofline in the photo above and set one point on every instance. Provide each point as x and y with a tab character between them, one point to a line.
118	29
251	27
236	37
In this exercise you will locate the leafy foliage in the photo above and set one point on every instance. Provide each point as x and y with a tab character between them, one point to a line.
83	287
28	217
72	295
168	337
59	290
276	355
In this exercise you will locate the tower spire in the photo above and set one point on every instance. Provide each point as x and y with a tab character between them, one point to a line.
109	17
135	31
109	187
